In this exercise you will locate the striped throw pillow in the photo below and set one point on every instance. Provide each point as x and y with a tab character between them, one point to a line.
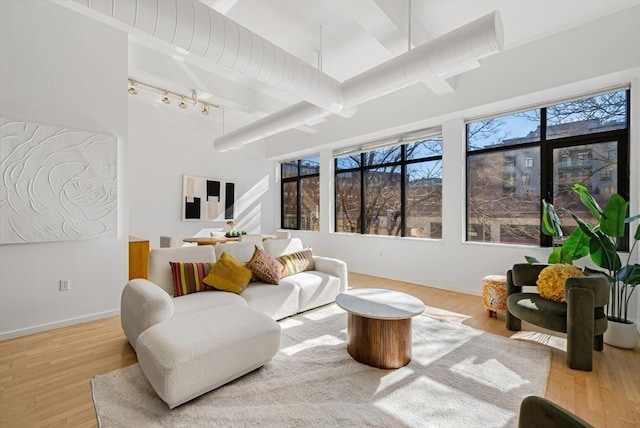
299	261
187	277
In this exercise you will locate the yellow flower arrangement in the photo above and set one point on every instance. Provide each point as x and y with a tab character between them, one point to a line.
551	280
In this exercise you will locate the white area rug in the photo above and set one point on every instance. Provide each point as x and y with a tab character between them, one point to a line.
458	377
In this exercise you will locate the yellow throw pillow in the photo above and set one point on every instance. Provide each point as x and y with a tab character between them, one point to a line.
551	280
228	274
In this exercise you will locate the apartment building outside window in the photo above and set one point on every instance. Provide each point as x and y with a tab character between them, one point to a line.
393	190
516	160
300	194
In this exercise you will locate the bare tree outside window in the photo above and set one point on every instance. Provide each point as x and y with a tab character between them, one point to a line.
505	163
369	194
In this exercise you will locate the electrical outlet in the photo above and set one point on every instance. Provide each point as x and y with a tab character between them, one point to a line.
65	284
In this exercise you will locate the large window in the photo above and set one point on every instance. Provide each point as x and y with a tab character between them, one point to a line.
516	160
393	190
301	194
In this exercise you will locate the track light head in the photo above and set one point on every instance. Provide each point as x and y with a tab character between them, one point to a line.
165	98
133	90
205	109
183	102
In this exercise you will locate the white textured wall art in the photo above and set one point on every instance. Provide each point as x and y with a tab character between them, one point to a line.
56	183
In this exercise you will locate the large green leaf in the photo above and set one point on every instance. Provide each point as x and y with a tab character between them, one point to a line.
588	201
531	260
550	221
603	253
613	216
586	228
575	247
630	274
636	236
555	256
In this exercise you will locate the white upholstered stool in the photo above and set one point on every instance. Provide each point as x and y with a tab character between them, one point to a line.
187	356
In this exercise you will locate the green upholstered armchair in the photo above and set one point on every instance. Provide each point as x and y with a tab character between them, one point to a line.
537	412
582	317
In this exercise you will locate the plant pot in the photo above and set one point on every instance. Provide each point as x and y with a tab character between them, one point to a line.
621	335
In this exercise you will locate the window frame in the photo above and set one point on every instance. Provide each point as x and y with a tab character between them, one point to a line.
363	168
297	179
547	145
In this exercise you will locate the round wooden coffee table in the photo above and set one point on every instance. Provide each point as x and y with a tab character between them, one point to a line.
379	325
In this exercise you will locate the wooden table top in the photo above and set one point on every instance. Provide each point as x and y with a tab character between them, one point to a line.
213	240
379	303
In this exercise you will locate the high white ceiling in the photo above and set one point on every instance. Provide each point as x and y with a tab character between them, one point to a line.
344	38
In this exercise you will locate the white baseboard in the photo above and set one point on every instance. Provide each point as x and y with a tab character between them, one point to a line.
58	324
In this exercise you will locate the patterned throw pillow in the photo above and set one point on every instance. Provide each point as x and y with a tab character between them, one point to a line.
264	266
551	280
296	262
228	274
187	277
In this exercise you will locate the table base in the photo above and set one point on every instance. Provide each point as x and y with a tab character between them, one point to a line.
385	344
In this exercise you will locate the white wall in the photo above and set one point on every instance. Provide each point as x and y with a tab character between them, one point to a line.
166	143
593	57
62	68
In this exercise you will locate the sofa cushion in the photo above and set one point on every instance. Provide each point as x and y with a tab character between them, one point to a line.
316	288
264	266
187	277
276	301
297	262
279	247
197	302
182	362
228	274
241	251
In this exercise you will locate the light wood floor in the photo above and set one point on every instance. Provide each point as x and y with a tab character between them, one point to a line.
45	377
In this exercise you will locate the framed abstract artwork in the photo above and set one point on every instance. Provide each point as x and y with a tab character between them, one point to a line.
207	199
56	183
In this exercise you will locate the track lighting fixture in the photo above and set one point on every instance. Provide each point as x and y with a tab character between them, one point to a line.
166	95
133	90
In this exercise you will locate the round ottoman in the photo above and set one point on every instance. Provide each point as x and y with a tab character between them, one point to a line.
494	294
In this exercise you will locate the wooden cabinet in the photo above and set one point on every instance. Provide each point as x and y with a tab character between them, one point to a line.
138	258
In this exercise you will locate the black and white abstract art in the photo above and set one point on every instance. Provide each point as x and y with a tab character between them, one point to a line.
56	183
207	199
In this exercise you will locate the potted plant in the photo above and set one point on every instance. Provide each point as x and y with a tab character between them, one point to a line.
599	242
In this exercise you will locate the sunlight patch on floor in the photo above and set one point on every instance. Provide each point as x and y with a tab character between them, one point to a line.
446	315
543	338
491	373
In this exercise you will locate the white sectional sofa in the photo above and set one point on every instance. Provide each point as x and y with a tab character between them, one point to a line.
192	344
149	302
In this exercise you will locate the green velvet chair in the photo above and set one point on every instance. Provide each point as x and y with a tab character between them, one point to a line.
582	317
538	412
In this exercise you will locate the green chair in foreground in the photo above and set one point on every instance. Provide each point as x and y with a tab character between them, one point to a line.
538	412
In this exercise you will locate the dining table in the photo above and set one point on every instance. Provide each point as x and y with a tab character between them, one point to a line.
213	240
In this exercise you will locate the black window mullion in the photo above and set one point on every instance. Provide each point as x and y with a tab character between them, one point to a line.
298	197
403	174
546	173
362	192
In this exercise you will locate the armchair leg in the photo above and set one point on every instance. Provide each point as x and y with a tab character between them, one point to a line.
512	323
598	342
580	329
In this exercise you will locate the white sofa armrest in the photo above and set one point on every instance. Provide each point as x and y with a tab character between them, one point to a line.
333	267
143	304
